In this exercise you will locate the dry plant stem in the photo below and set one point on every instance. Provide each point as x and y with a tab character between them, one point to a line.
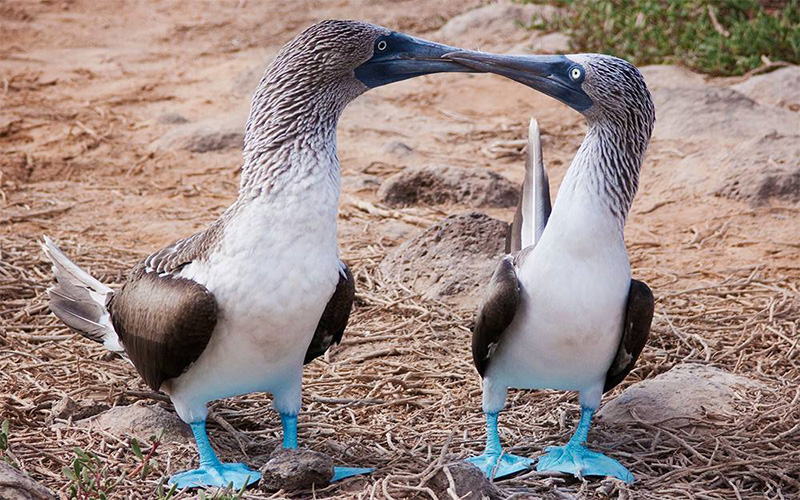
400	393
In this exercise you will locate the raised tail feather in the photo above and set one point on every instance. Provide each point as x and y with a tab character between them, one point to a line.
79	300
538	185
533	209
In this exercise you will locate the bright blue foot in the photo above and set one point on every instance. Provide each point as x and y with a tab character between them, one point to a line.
495	466
340	473
493	462
574	458
220	476
579	461
212	472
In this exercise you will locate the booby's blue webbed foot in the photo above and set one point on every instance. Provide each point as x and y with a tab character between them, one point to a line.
574	458
235	475
212	473
498	466
340	473
492	462
579	461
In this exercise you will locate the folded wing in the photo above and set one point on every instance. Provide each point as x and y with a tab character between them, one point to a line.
638	317
334	319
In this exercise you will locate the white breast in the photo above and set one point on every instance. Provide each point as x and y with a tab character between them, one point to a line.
276	268
574	287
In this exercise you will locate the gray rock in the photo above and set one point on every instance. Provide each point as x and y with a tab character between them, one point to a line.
14	485
762	169
671	76
547	43
686	393
68	408
717	113
141	421
778	88
214	134
437	185
295	470
495	24
467	482
551	43
449	260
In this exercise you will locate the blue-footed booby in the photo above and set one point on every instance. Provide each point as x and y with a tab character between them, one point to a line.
562	312
242	305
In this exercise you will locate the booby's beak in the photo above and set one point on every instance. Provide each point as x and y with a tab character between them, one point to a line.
557	76
399	57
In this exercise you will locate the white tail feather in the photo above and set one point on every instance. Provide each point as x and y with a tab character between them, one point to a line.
535	190
59	259
79	300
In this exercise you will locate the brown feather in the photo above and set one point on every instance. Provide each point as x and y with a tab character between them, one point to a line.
495	312
334	319
638	317
164	323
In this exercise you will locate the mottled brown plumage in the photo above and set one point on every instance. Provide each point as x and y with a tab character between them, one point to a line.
184	251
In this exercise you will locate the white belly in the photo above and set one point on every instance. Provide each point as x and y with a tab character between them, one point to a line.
569	322
270	298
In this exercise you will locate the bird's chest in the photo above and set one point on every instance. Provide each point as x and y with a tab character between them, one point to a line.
574	301
569	322
275	270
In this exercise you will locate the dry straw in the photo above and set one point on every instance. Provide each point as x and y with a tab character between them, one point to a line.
400	393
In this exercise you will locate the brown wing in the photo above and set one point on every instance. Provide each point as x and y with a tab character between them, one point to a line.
638	317
334	318
495	312
163	321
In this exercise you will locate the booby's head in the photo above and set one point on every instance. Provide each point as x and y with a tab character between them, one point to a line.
609	92
601	87
313	78
338	60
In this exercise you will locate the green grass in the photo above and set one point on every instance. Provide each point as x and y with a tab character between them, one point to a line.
4	434
91	479
88	476
684	32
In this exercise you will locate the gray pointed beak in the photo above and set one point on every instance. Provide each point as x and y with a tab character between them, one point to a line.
407	57
548	74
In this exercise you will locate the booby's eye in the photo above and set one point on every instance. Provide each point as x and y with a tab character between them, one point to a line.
575	73
382	45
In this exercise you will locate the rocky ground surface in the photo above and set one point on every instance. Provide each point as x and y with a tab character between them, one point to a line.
120	129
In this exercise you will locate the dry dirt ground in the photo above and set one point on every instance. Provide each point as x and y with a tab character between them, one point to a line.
91	93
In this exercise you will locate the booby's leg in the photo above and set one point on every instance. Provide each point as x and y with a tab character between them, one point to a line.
493	462
289	424
574	458
212	472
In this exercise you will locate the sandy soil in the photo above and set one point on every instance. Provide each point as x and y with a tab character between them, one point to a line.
86	88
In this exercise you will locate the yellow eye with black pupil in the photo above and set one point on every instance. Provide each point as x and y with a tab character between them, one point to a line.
575	73
382	45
